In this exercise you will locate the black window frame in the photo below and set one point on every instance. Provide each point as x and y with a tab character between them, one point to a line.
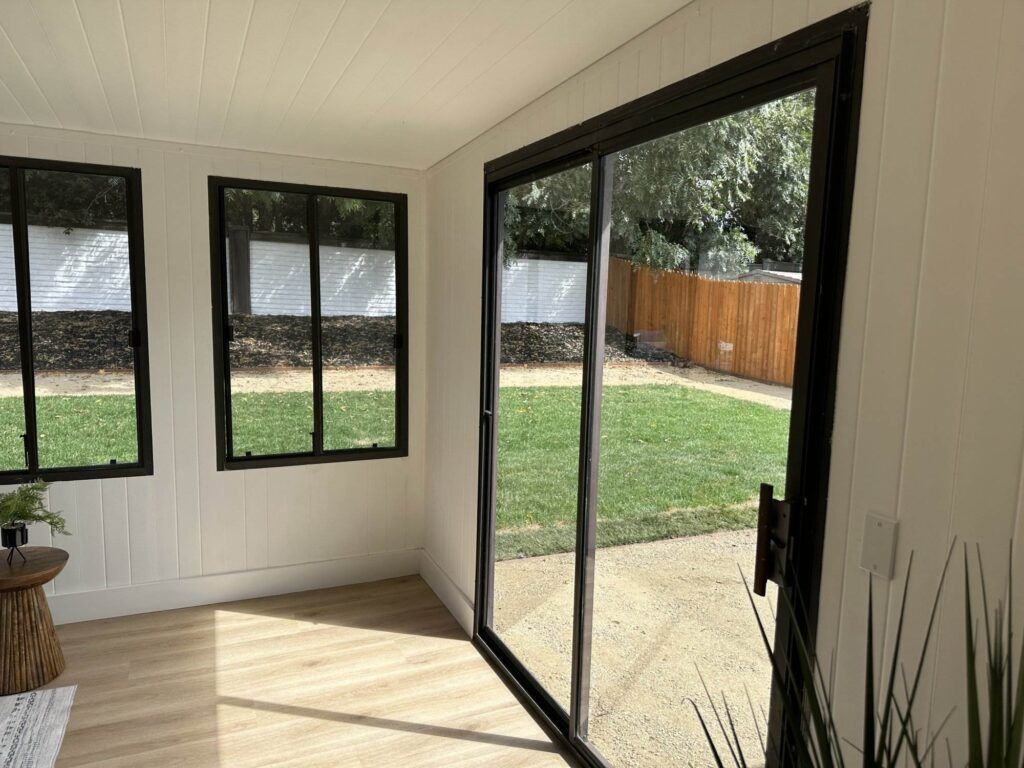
16	167
827	56
221	326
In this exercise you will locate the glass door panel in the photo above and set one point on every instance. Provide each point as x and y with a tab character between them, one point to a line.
703	293
545	262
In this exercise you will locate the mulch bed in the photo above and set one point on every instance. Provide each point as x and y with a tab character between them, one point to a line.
70	341
271	341
90	341
523	343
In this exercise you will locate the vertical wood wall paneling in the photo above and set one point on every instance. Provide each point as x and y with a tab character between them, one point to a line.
116	537
89	538
63	498
896	252
181	256
944	309
152	507
990	450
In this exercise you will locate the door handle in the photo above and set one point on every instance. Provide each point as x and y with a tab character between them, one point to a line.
774	521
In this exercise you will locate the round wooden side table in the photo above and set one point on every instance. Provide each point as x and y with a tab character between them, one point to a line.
30	654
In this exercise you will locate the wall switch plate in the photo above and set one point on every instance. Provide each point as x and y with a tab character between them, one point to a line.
879	550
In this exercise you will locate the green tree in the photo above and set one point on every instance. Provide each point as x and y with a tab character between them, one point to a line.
714	198
368	223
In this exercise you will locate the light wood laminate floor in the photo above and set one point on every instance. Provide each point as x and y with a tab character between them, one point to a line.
367	676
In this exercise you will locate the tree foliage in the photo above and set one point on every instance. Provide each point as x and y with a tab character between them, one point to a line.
81	200
713	198
369	223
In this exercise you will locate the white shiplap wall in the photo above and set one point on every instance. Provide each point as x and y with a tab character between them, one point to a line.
190	534
930	420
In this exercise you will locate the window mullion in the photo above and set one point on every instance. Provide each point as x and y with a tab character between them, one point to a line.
21	271
314	312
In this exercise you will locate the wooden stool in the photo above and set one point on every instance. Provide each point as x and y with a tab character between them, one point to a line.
30	654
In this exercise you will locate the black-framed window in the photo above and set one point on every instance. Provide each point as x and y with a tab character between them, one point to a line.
309	317
74	381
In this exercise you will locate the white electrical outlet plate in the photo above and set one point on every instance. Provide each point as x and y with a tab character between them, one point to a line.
879	548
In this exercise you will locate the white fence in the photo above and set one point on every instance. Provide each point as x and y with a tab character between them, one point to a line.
87	269
543	291
353	281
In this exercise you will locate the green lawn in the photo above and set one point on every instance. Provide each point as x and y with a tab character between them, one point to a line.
674	461
89	430
281	422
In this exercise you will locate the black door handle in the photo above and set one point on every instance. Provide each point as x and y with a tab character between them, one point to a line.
774	519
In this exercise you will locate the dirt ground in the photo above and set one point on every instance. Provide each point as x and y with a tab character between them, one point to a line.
363	378
382	377
662	612
546	375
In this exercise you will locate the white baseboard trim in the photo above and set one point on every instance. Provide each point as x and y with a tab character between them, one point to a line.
224	587
455	600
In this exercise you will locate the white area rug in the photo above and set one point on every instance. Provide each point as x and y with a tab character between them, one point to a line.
32	727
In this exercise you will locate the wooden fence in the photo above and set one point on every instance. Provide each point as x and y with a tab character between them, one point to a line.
746	329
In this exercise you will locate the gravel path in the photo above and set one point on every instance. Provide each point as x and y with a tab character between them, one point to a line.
365	378
662	611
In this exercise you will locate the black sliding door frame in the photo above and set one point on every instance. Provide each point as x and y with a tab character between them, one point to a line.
827	57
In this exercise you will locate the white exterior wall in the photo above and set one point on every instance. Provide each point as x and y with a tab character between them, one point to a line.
929	423
189	534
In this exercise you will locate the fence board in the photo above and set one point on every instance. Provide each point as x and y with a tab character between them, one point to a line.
747	329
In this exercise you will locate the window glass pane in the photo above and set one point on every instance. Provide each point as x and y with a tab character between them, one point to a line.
12	405
543	303
81	318
269	300
358	323
703	293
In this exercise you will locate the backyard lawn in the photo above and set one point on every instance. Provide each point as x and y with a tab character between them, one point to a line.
86	429
675	461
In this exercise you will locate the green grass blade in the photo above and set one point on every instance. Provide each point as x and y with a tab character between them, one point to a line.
975	757
816	702
919	673
869	681
1015	733
890	687
803	748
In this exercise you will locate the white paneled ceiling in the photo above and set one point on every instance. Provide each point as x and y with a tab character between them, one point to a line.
404	82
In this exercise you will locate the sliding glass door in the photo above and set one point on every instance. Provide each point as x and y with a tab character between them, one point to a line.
706	236
540	396
661	309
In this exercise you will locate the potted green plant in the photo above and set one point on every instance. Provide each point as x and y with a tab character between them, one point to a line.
26	504
994	696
